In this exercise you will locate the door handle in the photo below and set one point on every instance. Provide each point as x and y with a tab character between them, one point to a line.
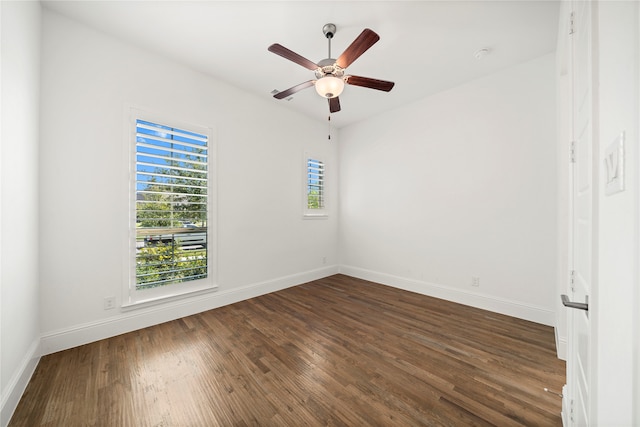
570	304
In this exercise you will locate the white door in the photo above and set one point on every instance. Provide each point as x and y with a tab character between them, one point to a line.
582	218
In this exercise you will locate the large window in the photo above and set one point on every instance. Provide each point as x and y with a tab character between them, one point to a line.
172	203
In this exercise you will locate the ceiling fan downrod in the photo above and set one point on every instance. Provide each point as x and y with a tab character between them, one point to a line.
329	31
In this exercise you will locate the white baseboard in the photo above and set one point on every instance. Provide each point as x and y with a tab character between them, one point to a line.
485	302
18	383
131	320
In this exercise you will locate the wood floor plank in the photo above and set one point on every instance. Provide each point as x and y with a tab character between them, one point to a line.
338	351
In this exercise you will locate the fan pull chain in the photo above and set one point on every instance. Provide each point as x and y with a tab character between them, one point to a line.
329	120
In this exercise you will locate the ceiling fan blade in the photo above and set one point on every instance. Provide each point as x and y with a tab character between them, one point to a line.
370	83
292	90
334	105
364	41
292	56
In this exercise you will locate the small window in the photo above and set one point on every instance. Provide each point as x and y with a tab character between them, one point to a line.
172	210
315	184
315	194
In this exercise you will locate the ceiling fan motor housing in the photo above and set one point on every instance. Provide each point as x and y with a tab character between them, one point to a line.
329	66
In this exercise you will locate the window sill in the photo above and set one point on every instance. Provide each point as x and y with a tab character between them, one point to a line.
152	301
315	216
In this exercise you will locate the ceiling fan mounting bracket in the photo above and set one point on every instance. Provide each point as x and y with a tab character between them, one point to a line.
329	30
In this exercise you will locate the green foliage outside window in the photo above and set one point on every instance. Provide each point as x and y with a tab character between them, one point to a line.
164	264
314	200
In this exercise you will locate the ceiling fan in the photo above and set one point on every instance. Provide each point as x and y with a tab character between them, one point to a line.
330	73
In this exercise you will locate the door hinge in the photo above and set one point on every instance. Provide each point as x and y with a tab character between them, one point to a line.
571	23
572	152
572	279
571	411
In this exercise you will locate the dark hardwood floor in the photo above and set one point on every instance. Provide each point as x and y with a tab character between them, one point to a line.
338	351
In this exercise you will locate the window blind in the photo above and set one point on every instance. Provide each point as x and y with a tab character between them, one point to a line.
171	205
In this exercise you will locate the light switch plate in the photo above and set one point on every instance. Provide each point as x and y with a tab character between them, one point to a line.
614	166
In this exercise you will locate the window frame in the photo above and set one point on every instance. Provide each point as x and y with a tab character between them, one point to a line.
133	297
313	213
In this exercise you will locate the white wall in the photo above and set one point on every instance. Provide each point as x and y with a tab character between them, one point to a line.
19	303
460	184
89	79
615	297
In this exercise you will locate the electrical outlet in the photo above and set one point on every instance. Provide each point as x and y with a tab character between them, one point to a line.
324	259
109	303
475	281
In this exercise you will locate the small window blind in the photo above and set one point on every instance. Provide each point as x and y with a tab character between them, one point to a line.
315	184
171	205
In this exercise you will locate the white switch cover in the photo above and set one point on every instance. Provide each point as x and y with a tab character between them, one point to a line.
614	166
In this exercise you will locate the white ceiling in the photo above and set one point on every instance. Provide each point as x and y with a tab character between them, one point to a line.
425	46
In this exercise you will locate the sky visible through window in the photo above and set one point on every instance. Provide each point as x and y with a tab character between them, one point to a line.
153	140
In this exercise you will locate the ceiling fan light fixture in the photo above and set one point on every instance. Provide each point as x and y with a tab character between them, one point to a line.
329	86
